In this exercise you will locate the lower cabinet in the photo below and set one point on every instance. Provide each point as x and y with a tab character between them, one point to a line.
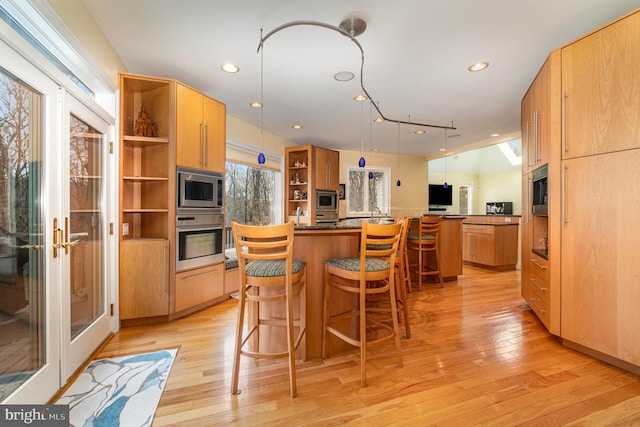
491	245
195	287
144	278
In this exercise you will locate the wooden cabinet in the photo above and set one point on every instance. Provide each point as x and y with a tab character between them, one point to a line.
147	182
199	286
600	268
147	189
144	278
298	191
490	245
539	115
587	291
189	127
327	169
601	86
201	130
308	169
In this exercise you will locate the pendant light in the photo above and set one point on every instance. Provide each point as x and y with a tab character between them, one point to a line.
446	159
398	183
261	158
361	162
370	138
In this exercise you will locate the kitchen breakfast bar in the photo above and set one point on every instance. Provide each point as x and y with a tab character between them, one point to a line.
316	244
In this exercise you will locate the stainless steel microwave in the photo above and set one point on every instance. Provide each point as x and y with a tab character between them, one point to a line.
199	191
326	200
539	192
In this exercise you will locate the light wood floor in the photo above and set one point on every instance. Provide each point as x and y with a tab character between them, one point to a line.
478	356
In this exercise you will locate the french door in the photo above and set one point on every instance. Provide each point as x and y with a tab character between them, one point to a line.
53	244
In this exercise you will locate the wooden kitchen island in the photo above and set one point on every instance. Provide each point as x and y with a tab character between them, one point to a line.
316	244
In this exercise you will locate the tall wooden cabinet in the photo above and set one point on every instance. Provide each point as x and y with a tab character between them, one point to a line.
541	114
189	131
308	168
601	158
592	271
147	187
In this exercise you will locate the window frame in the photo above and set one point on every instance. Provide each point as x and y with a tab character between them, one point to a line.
385	208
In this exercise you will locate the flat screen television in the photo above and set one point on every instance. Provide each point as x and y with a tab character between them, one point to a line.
438	195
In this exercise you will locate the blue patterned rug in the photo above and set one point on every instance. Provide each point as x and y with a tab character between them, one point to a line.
119	391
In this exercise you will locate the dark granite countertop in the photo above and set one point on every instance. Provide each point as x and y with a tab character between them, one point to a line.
345	224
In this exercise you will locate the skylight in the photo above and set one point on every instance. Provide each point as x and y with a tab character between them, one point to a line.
511	151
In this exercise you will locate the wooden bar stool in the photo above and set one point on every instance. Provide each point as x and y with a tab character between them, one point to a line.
427	240
369	274
269	274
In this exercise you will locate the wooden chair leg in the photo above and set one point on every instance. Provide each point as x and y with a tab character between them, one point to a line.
394	319
363	337
325	313
290	340
238	349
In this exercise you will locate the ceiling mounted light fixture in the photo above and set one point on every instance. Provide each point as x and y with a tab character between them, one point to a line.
478	66
351	28
343	76
255	104
230	68
297	126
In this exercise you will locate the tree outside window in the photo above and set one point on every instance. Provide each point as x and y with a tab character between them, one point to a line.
250	196
367	195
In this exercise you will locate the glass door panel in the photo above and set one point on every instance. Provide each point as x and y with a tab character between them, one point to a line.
85	227
22	282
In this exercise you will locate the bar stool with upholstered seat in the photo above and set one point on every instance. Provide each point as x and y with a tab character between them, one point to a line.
374	266
427	240
269	274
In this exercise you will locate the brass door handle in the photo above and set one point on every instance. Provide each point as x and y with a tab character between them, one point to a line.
67	244
31	247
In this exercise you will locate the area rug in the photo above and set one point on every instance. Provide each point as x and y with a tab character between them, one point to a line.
119	391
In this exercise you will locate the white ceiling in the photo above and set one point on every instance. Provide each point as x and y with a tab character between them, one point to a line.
416	54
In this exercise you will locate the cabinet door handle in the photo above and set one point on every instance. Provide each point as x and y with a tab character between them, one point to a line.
563	197
564	124
206	145
527	136
535	283
535	138
533	301
164	267
537	264
208	273
201	142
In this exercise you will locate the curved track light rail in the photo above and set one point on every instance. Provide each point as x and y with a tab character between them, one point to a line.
351	35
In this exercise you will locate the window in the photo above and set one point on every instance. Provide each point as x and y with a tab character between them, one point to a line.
368	191
251	195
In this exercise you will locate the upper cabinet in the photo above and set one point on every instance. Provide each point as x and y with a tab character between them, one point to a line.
200	130
327	169
538	114
601	88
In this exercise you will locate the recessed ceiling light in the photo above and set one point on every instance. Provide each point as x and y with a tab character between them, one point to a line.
378	120
297	126
419	132
230	68
343	76
256	104
360	97
478	66
443	149
495	134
